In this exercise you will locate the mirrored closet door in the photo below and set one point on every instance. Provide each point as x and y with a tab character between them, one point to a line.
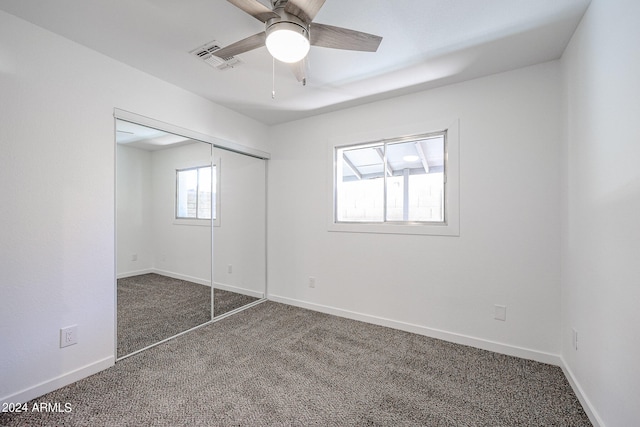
240	231
190	234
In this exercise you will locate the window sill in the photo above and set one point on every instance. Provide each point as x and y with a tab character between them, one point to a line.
434	229
196	222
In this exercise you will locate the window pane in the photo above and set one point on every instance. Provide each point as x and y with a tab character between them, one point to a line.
187	185
204	193
395	198
360	184
415	189
426	197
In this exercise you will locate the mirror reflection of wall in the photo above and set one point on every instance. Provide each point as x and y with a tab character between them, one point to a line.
240	233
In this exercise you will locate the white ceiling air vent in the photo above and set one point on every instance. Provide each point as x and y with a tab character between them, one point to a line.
204	52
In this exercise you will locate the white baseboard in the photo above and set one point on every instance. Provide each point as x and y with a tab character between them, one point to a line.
58	382
171	274
238	290
134	273
509	350
180	276
582	397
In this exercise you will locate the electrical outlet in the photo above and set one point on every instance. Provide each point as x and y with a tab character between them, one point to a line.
68	336
134	257
312	282
574	339
500	312
230	269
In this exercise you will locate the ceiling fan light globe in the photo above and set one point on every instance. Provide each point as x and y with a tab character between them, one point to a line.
287	43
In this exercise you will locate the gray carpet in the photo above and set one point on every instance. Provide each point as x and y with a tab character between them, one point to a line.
225	301
279	365
152	307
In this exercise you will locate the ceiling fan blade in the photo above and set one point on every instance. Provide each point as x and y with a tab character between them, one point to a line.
299	69
304	9
242	46
342	38
255	9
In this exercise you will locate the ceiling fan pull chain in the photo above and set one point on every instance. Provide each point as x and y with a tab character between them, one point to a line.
273	78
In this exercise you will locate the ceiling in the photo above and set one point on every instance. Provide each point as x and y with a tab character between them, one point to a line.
426	43
146	138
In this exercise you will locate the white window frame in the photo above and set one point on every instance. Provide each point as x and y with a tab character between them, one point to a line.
450	226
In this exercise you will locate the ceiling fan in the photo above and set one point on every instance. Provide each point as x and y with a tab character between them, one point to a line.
289	33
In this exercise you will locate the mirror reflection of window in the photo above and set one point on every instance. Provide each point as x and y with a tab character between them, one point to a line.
196	193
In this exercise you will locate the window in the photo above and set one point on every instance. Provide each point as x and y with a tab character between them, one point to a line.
196	193
392	181
382	183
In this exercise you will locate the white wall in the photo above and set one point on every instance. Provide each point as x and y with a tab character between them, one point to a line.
134	211
57	169
601	233
508	249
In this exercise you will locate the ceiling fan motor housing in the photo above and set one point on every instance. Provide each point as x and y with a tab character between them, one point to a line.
275	4
287	21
